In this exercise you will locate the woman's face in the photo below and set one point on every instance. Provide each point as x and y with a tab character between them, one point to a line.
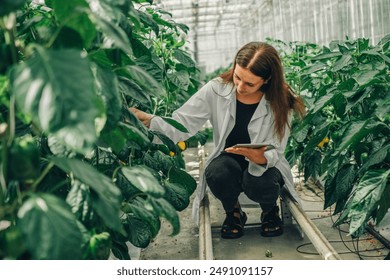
246	82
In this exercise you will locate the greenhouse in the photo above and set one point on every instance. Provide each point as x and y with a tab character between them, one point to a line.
194	130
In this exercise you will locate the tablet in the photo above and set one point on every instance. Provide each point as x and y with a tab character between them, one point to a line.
255	146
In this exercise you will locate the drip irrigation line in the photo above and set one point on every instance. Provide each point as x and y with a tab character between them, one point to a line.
344	253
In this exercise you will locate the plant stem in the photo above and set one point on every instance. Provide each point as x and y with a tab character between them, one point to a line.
43	174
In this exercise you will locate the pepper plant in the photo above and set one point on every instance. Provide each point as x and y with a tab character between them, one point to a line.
344	141
80	175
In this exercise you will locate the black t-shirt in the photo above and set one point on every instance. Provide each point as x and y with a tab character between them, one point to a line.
239	134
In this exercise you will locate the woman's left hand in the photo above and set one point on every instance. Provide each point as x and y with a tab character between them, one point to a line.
254	155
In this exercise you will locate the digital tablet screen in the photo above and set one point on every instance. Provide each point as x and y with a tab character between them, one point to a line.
255	146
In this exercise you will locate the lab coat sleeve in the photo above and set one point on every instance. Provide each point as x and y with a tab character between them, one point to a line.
192	115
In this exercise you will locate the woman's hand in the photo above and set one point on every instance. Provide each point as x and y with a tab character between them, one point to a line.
145	118
254	155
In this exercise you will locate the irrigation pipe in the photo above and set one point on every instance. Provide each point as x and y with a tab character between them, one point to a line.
318	240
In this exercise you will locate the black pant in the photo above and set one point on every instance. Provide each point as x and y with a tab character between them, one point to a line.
227	176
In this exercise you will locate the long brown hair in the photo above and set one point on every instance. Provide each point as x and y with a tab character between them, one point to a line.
263	61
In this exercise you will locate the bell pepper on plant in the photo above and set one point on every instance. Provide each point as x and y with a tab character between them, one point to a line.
99	246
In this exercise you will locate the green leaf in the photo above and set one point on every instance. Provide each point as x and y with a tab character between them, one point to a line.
73	14
148	20
183	58
114	139
107	88
50	228
8	6
176	195
134	135
364	200
375	158
149	64
166	140
175	124
138	210
109	9
322	102
158	161
180	176
383	205
107	200
364	77
313	68
313	165
355	132
130	88
326	56
79	199
181	79
345	60
345	179
56	88
138	232
141	178
163	208
144	80
115	36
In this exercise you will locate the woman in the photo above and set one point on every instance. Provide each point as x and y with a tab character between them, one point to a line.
250	103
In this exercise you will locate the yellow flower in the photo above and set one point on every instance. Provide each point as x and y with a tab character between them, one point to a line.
323	142
172	153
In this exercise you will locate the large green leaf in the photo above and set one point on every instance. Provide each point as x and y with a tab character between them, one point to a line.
138	231
183	58
344	181
115	36
148	20
364	200
364	77
72	13
375	158
313	165
176	195
128	87
143	79
384	204
180	176
105	198
134	135
79	199
110	9
342	62
138	210
141	178
355	132
175	124
158	161
50	228
180	79
56	88
107	88
326	56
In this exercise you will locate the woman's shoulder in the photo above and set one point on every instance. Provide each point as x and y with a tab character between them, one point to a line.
219	87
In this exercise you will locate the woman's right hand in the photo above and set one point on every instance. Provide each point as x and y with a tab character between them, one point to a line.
145	118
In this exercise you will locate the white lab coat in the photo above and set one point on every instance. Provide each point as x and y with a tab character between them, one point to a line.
216	102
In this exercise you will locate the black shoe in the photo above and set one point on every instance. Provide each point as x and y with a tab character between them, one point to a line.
233	227
271	224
